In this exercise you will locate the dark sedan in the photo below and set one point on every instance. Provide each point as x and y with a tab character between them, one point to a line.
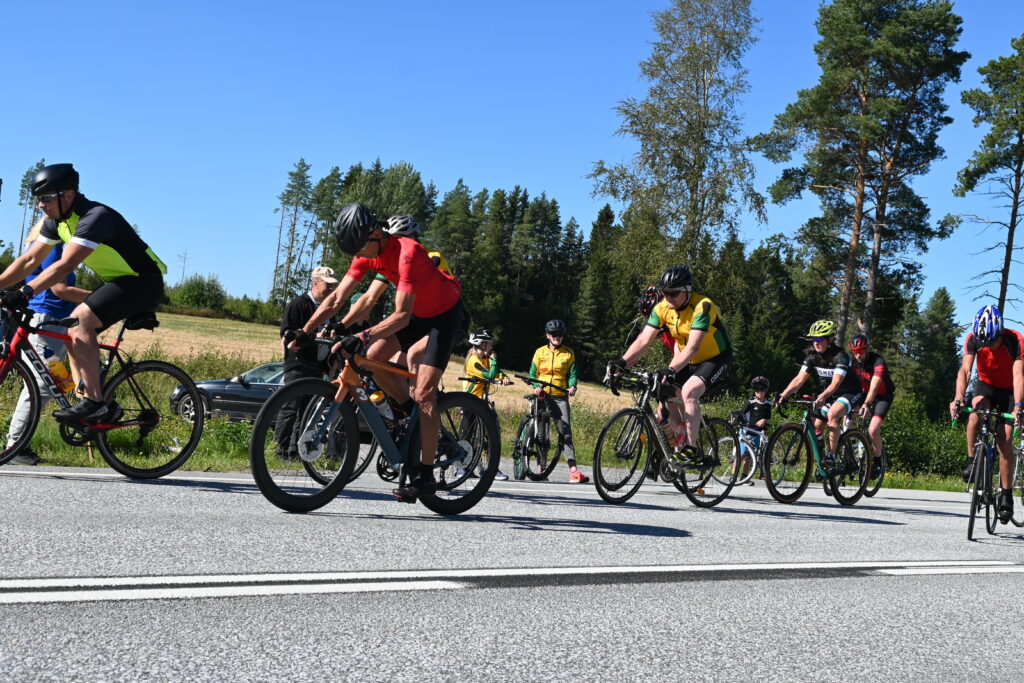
238	398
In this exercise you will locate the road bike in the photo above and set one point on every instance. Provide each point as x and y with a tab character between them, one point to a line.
531	456
983	482
326	434
146	439
794	451
632	444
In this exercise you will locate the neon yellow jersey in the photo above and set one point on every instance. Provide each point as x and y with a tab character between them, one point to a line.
557	366
442	262
700	313
490	371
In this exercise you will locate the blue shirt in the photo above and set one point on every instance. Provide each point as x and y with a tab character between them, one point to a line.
46	301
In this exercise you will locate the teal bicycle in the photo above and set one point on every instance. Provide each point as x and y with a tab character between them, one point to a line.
794	452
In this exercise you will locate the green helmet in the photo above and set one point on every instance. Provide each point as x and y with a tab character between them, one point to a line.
822	328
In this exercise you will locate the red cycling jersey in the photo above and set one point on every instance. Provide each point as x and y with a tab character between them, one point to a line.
405	263
995	368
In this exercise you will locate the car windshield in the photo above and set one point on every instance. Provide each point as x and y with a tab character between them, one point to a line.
265	374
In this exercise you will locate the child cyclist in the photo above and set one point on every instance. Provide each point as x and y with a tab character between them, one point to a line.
482	362
756	412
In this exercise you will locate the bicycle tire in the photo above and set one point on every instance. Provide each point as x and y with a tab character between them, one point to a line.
469	439
993	484
18	379
977	480
787	455
518	446
745	465
1017	484
155	440
538	461
875	483
709	481
622	456
327	438
853	452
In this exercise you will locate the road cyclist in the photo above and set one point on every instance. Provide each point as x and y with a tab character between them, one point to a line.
999	387
752	420
879	391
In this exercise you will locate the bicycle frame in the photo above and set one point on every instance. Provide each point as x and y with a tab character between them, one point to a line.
808	423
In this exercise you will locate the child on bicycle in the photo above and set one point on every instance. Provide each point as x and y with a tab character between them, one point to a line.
482	362
756	412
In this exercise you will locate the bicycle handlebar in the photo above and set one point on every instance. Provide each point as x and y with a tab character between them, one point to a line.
533	380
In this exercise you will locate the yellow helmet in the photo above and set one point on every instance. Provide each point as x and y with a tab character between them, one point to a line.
822	328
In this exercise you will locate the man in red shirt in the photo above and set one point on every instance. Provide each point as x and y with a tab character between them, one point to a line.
428	319
1000	383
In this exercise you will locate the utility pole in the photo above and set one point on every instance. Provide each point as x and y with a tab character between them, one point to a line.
184	260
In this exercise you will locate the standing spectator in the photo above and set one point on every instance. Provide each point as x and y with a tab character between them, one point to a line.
304	362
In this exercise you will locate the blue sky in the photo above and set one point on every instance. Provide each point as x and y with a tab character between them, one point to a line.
187	116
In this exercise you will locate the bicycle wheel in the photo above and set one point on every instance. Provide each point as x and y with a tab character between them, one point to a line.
977	480
787	461
709	476
850	474
622	456
877	474
744	464
469	439
518	448
993	484
1018	487
302	430
368	449
18	381
537	459
150	439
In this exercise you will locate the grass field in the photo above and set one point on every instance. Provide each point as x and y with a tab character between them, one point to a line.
210	348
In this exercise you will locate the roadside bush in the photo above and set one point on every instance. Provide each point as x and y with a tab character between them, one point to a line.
200	291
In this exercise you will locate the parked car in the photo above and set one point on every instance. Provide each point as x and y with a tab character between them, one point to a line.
238	398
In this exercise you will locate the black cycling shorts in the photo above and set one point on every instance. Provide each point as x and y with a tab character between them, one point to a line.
851	400
710	371
882	405
116	300
443	330
998	399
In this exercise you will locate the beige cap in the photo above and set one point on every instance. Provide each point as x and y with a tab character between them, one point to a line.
326	274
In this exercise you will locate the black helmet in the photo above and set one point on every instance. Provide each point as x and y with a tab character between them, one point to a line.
55	178
353	227
555	327
759	382
676	277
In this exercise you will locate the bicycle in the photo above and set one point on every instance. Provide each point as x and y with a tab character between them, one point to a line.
791	454
880	464
751	451
632	443
143	441
327	436
533	435
983	482
487	384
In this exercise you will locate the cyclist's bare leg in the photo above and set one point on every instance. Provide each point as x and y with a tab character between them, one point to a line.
875	433
393	385
85	349
692	390
425	395
835	416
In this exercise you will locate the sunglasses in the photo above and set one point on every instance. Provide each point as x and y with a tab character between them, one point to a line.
47	198
819	339
672	292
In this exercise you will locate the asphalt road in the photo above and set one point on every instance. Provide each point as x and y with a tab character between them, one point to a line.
197	577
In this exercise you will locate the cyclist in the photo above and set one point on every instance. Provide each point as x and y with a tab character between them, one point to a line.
756	412
428	319
482	362
556	364
830	363
878	388
101	238
1000	382
702	353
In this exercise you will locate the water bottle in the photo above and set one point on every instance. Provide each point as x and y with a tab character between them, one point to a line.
383	407
669	432
61	373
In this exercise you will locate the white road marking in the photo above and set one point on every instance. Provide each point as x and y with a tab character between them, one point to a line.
922	571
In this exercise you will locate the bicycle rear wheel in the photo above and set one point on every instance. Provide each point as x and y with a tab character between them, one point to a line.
19	381
849	476
622	456
468	441
1018	487
877	474
300	431
744	465
150	439
787	462
708	479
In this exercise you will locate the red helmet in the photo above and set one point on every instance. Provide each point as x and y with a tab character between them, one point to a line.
859	343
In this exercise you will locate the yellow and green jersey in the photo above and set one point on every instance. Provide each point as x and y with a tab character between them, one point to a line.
700	313
490	371
557	366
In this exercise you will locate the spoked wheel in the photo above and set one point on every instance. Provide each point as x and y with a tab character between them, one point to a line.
993	484
150	439
876	475
469	441
1018	488
850	474
538	462
745	465
304	446
18	382
709	475
519	447
622	456
787	462
977	479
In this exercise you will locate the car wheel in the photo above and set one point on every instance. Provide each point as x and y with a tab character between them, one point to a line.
187	411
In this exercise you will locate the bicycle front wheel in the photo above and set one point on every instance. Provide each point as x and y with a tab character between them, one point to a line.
786	463
1018	487
977	479
304	446
710	476
622	456
850	474
20	405
468	441
744	465
150	439
538	462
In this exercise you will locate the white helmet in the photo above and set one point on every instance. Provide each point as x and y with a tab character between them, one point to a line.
478	337
404	225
